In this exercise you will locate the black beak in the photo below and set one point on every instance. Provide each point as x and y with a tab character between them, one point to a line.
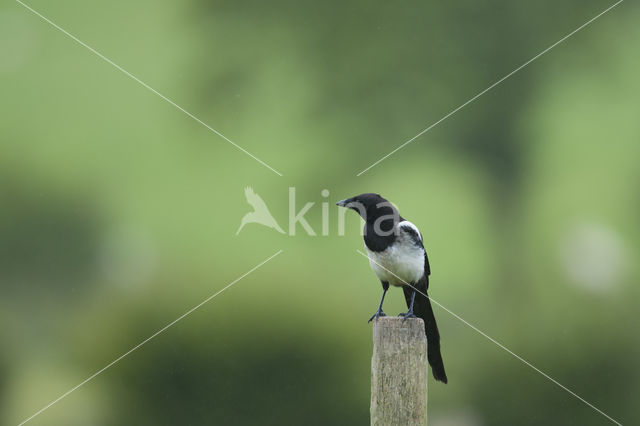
343	203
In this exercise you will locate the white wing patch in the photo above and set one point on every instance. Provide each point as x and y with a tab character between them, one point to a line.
406	223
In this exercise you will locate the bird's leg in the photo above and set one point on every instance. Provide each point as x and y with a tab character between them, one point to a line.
409	313
379	312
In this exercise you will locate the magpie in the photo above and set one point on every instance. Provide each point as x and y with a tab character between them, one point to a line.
397	256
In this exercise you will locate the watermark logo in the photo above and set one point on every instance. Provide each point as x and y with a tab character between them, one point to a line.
260	213
384	213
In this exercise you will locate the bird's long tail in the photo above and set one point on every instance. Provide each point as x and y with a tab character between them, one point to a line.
422	309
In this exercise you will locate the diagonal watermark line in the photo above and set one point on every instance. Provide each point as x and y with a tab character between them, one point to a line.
91	377
500	345
491	87
145	85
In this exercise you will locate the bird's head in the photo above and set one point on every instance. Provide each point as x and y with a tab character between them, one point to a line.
370	206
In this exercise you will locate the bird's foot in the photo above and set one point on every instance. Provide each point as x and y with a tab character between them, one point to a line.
406	315
377	315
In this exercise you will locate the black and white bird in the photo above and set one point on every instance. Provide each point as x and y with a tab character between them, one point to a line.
397	256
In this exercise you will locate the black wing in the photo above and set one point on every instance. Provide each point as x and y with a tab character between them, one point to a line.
427	268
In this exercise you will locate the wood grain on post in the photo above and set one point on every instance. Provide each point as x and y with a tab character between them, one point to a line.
399	372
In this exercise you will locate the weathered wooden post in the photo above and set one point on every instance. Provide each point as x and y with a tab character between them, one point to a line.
399	372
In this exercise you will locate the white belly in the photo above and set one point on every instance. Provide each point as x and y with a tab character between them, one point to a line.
399	264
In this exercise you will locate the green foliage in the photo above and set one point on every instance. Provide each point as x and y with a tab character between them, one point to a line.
118	212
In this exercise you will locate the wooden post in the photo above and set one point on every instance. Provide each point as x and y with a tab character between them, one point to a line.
399	372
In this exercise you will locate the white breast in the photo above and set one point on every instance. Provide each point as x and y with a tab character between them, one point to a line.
400	263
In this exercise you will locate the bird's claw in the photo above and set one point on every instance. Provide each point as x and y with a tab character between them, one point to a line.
377	315
406	315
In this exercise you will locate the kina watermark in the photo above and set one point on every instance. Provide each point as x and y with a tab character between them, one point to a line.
297	213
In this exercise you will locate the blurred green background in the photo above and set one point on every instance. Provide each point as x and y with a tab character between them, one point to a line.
118	212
